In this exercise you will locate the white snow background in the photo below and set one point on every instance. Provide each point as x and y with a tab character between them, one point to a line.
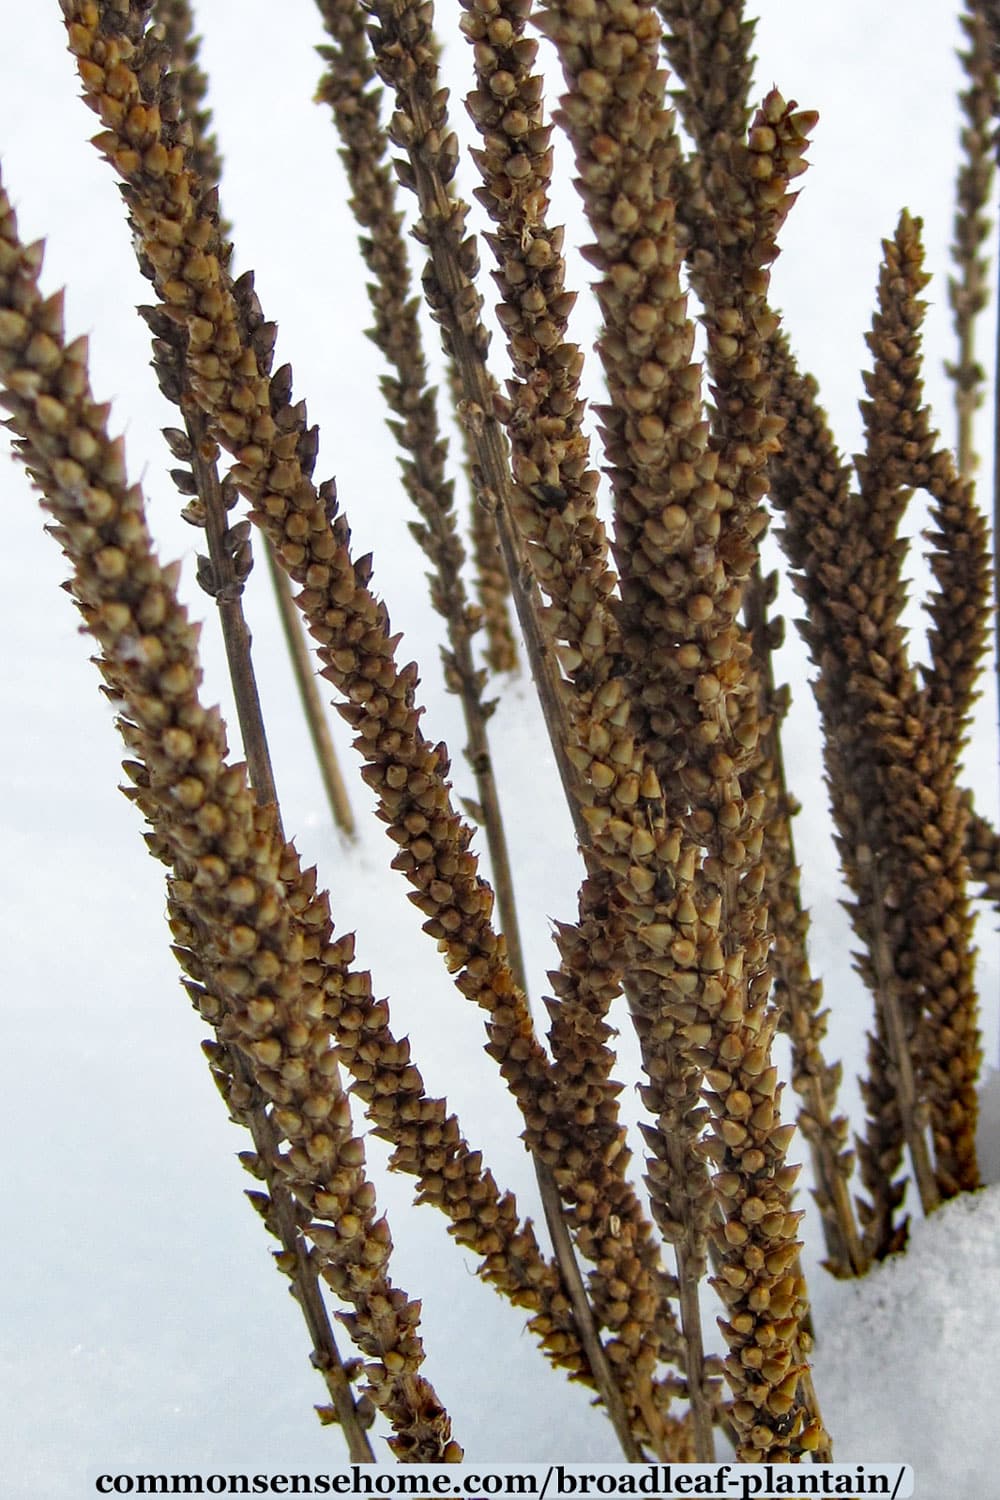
144	1328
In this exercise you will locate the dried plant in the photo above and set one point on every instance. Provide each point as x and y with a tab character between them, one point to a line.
649	631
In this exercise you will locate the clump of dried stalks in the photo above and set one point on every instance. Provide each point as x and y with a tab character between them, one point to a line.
651	653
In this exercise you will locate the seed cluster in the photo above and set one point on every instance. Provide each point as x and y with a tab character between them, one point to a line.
811	487
892	745
916	745
241	905
554	499
924	820
712	61
177	20
698	686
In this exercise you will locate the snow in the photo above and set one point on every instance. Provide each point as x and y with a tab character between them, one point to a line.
922	1330
143	1327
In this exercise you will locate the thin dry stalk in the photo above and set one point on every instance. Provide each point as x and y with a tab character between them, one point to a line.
811	487
932	816
224	571
232	923
880	679
312	702
988	12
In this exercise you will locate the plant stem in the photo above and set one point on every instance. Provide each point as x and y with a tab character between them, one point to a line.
228	592
312	703
890	1009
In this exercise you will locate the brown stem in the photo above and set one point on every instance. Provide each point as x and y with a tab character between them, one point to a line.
312	703
890	1009
690	1270
228	592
